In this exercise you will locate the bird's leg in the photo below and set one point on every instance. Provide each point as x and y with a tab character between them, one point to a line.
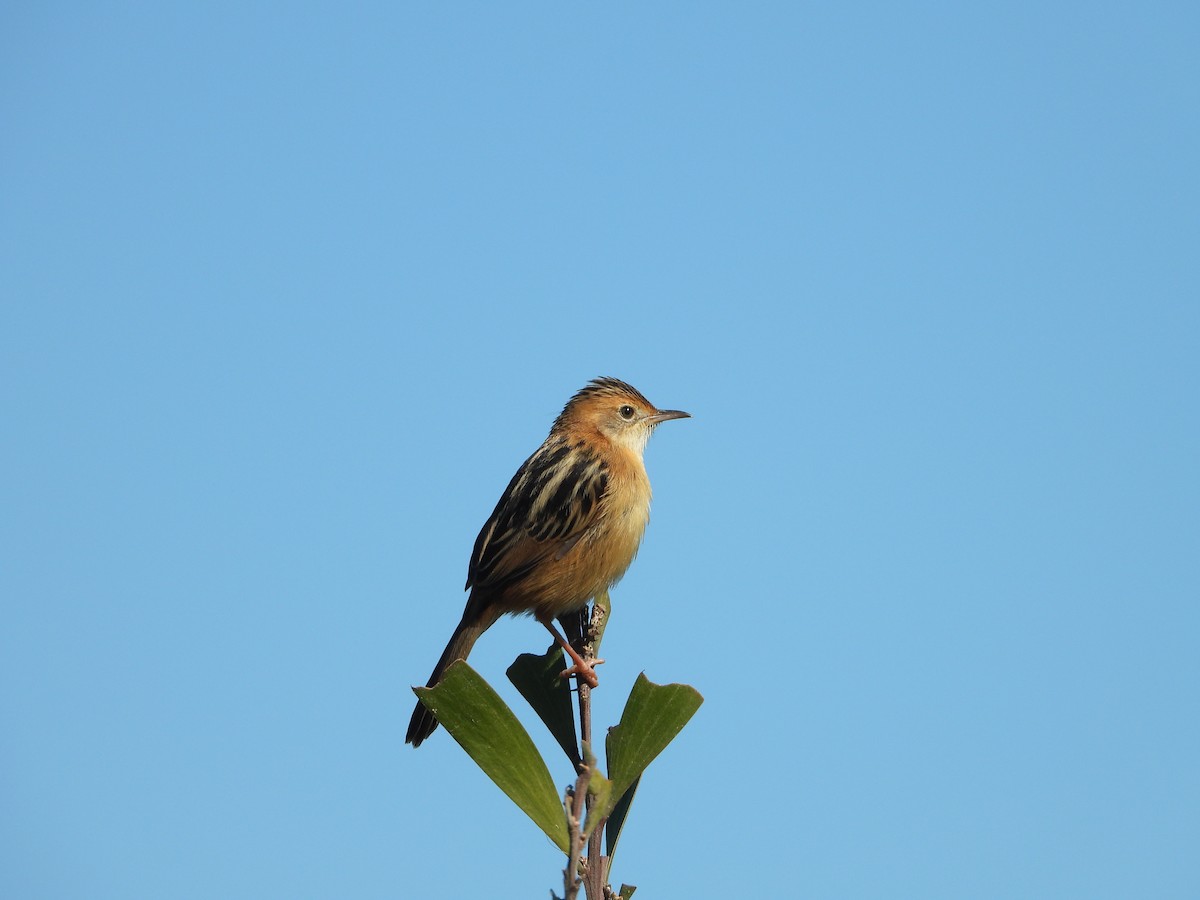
581	669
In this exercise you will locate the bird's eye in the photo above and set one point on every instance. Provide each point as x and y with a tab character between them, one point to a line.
626	411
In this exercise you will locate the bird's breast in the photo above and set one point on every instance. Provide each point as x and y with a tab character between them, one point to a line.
619	529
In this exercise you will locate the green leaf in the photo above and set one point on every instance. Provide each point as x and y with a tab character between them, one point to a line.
485	727
537	678
654	714
627	891
616	819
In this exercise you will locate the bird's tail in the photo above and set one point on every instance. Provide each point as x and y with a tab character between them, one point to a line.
423	722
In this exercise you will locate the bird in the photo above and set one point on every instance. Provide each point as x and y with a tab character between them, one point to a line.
565	529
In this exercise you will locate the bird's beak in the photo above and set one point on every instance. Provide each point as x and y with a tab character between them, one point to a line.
663	414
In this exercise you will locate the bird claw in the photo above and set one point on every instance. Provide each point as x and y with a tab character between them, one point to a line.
584	672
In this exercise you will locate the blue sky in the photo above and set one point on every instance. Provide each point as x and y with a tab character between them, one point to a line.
291	290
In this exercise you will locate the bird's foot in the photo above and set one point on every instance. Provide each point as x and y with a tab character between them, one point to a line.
584	672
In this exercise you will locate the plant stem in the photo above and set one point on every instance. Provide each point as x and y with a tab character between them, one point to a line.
574	805
595	875
584	632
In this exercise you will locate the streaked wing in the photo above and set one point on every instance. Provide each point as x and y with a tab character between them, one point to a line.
549	503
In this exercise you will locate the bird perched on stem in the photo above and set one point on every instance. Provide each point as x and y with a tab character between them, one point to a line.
566	528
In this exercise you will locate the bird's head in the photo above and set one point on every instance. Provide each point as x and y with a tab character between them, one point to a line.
618	411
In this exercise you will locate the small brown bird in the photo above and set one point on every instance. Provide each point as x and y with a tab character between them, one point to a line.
566	528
